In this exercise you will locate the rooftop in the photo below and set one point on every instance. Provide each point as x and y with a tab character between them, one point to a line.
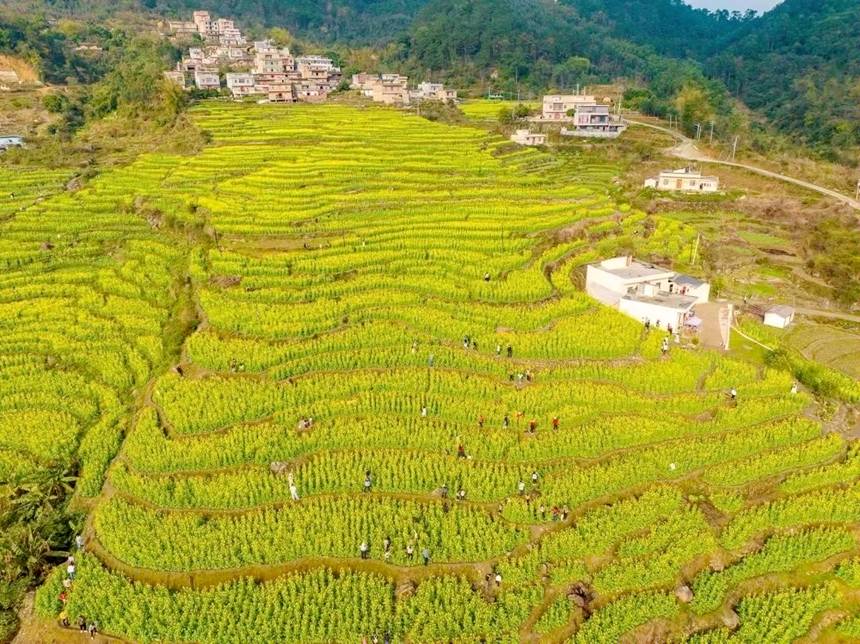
677	302
781	310
689	280
633	269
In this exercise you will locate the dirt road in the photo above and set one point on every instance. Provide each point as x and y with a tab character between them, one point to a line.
686	149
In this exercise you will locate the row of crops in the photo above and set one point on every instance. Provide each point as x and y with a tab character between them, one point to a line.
393	412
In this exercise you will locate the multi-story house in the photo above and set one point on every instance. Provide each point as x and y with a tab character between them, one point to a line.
241	84
558	107
595	121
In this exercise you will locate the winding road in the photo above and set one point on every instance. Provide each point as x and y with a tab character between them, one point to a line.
686	149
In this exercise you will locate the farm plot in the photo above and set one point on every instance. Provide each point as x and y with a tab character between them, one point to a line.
390	411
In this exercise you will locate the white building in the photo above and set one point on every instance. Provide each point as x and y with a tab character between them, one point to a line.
434	92
779	317
524	137
240	84
10	141
207	80
557	106
646	292
683	180
595	121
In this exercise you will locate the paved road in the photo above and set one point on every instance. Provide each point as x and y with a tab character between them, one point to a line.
686	149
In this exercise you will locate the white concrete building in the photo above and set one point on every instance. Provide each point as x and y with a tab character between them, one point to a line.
683	180
779	317
595	121
645	291
434	92
557	106
524	137
660	310
240	84
207	80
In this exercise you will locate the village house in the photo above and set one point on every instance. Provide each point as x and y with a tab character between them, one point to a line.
274	72
595	121
556	107
434	92
389	89
648	293
203	22
9	76
176	76
779	317
283	93
683	180
240	84
524	137
182	28
207	80
269	59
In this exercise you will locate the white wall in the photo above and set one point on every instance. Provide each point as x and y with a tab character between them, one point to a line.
646	310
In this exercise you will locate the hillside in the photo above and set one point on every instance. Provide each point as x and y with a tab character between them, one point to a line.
796	65
411	287
799	65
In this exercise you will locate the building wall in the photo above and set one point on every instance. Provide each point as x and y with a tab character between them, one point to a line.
654	312
774	320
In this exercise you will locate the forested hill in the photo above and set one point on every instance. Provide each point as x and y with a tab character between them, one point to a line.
800	66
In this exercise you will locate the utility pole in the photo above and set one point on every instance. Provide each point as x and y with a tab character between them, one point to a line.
712	134
698	131
857	193
735	147
695	254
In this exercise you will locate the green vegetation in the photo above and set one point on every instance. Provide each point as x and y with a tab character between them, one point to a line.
326	262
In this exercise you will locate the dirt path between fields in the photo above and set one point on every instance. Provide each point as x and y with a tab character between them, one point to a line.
686	149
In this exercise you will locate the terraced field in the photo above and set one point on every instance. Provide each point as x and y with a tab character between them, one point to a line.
411	288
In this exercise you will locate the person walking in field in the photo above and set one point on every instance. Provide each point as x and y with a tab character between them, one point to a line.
443	491
79	541
555	423
532	426
535	478
521	487
70	568
425	555
364	549
368	481
481	422
665	346
424	411
510	351
733	394
410	551
498	350
82	624
431	359
93	629
294	491
461	451
794	389
506	422
461	495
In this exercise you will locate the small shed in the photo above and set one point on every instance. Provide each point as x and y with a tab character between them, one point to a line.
779	317
10	141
